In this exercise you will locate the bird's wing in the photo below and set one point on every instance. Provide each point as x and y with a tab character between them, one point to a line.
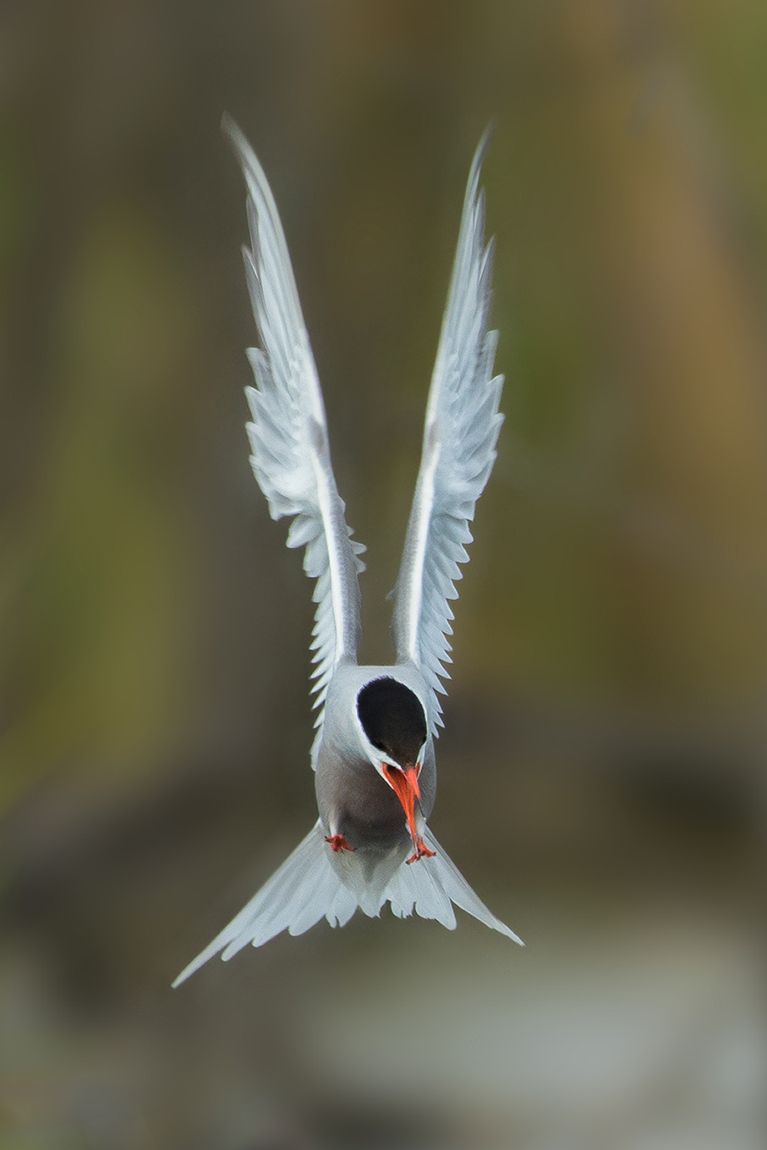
288	433
462	425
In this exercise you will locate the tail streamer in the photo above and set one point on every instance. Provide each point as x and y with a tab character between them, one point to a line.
307	888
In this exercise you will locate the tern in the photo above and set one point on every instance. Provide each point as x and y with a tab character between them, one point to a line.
373	755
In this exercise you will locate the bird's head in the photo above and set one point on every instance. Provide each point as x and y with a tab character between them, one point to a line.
394	734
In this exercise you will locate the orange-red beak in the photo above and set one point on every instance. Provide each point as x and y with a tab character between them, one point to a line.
404	783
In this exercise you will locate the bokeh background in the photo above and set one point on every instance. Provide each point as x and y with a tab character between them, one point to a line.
603	763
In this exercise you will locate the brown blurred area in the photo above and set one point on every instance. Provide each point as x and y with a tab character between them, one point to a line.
603	763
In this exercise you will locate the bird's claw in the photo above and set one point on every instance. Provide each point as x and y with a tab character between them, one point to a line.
338	843
421	852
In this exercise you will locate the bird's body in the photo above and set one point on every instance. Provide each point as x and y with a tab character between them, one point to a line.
353	800
374	761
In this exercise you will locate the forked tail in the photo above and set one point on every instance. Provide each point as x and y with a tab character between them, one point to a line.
306	887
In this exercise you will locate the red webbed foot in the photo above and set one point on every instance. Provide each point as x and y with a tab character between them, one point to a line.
338	843
421	852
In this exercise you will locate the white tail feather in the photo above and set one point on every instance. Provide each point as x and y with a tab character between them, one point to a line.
307	887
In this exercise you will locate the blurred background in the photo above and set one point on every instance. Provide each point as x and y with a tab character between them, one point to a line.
603	762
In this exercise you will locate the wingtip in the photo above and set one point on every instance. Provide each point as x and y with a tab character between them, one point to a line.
230	128
485	138
480	152
243	151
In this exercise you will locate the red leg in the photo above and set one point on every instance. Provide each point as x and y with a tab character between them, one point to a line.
338	843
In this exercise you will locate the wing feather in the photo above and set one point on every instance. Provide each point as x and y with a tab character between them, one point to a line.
460	435
288	436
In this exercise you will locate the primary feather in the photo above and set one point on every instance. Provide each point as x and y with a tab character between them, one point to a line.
462	425
288	434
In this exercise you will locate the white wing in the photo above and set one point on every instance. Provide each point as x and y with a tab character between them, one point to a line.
288	434
462	425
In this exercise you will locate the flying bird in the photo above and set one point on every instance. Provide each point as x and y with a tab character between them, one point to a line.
373	755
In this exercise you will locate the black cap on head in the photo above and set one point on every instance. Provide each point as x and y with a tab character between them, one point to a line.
393	719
